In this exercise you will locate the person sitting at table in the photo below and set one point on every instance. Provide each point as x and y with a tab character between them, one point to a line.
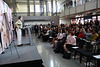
70	42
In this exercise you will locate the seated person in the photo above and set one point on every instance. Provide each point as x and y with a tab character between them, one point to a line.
45	35
41	32
77	32
94	37
50	35
88	34
58	38
70	42
81	35
60	43
64	37
53	35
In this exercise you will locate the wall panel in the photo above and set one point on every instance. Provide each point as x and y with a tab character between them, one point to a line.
62	14
72	10
67	12
98	3
80	8
90	5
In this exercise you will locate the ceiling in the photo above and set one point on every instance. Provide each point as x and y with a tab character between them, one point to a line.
10	1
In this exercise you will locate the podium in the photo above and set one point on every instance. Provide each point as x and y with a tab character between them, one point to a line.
29	33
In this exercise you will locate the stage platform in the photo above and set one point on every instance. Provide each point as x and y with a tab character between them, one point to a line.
26	55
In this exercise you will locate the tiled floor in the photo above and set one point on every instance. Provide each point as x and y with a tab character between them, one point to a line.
50	59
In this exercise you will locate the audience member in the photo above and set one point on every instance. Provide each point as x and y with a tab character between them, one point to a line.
81	35
70	42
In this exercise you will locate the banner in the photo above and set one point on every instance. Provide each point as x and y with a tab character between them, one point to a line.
6	26
1	9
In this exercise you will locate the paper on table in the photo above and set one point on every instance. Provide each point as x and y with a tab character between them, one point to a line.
75	47
97	56
50	37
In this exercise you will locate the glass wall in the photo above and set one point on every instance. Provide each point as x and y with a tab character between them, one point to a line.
37	8
41	8
44	8
32	6
49	8
21	6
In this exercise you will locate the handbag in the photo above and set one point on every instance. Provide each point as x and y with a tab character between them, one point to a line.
67	55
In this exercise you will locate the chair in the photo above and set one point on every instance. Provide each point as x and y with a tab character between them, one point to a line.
84	52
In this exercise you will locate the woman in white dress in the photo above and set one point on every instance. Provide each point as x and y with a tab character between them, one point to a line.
18	25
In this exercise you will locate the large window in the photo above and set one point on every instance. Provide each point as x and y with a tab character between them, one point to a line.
54	7
49	8
37	7
21	6
32	6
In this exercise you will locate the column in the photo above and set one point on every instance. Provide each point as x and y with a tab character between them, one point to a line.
73	3
96	4
14	11
34	9
56	6
28	6
43	2
52	7
14	7
46	8
40	8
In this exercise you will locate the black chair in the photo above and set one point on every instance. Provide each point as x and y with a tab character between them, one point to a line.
84	52
96	54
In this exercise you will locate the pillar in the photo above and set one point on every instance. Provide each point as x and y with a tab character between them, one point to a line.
46	8
34	9
28	6
52	7
56	6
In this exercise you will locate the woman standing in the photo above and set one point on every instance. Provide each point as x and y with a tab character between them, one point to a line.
18	25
